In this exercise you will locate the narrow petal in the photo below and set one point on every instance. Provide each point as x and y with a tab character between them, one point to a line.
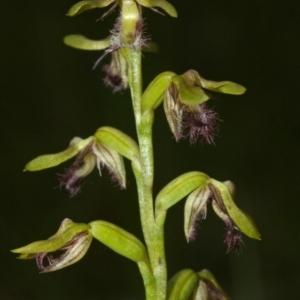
82	6
113	161
166	6
194	210
226	87
81	42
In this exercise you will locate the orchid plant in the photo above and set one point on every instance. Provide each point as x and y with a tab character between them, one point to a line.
184	98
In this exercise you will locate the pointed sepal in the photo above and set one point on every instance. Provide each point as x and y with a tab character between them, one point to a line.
52	160
225	87
83	6
222	196
81	42
163	4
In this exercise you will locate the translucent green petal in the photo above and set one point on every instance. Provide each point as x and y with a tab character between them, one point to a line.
226	87
82	6
81	42
189	94
52	160
195	207
114	162
166	6
182	284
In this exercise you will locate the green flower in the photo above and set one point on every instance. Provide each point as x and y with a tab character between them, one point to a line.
61	250
90	153
186	110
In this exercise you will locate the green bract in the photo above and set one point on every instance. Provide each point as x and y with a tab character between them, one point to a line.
119	240
154	93
178	189
119	141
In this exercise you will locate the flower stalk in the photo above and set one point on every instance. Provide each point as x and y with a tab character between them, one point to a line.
153	236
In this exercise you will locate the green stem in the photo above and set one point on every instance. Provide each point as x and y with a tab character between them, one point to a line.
153	234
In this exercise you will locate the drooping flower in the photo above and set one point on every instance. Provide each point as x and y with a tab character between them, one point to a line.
185	106
63	249
89	153
219	194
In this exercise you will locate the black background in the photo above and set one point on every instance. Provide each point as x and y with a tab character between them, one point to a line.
49	94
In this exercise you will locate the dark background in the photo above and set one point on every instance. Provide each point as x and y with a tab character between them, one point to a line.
49	94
